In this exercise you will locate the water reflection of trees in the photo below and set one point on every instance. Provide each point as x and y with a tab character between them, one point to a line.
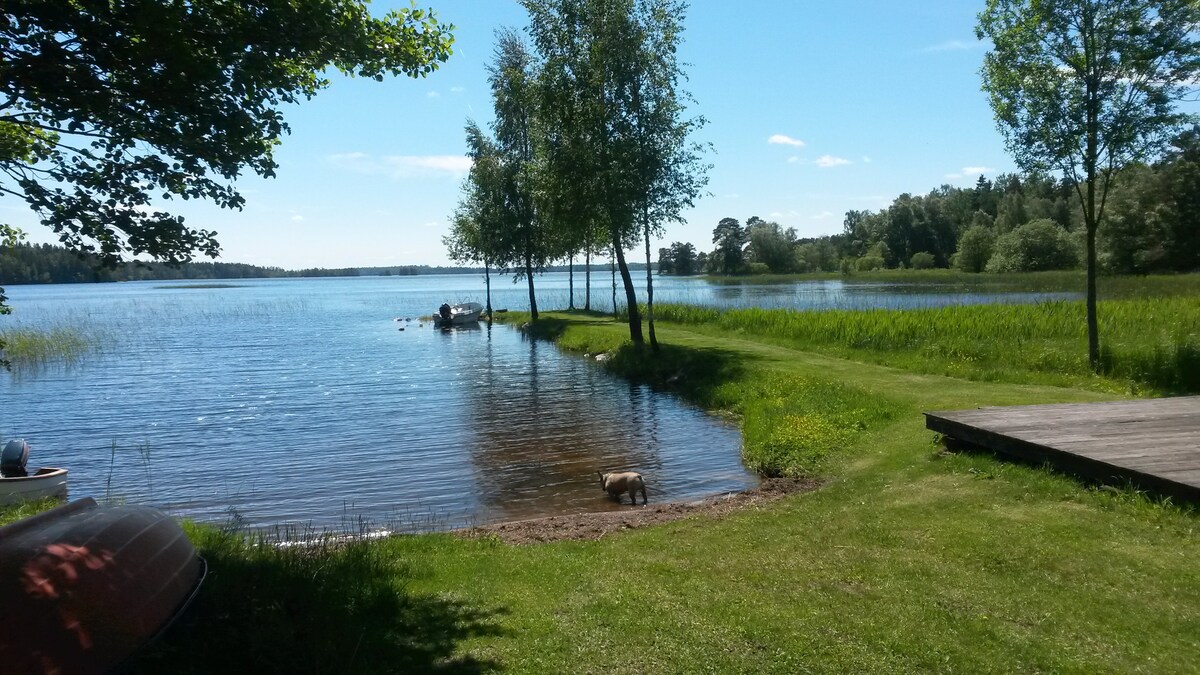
544	428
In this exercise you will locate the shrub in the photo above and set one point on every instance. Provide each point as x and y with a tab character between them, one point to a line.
975	248
1033	247
922	261
868	263
759	268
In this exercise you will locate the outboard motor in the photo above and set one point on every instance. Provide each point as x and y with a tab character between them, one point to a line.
13	459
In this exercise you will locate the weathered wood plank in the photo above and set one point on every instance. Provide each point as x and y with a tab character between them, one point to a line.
1154	443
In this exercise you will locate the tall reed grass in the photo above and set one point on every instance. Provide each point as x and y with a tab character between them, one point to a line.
33	348
1150	345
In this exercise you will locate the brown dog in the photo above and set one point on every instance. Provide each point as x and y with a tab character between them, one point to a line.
617	484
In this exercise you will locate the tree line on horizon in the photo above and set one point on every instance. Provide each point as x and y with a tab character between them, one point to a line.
25	263
1016	223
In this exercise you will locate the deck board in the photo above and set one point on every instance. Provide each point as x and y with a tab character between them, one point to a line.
1153	443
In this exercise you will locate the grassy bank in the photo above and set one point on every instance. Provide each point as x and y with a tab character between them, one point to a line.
908	559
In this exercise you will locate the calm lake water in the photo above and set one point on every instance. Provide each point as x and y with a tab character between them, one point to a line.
305	401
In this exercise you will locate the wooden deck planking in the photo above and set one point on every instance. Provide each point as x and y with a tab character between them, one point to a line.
1154	443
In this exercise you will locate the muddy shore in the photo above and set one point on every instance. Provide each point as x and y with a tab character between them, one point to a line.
591	526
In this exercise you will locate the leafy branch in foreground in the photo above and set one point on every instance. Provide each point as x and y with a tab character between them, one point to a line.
104	106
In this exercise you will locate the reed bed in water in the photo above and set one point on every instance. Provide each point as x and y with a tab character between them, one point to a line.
1148	345
38	347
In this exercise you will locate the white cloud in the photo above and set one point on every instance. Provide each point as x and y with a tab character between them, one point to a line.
780	139
824	215
403	166
866	160
970	172
954	46
793	159
827	161
434	94
297	218
457	90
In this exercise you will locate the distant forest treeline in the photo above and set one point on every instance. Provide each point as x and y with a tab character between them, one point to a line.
1015	223
52	264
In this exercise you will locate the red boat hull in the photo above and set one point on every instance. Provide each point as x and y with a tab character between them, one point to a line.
84	587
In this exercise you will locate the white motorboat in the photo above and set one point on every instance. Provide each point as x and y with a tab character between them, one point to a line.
18	485
456	315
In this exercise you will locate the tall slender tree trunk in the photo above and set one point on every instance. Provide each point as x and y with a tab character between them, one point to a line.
533	313
571	282
587	280
635	318
487	282
649	282
612	267
1092	86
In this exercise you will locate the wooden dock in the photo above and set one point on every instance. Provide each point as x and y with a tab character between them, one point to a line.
1153	443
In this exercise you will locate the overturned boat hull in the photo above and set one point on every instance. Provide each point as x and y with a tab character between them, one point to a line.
84	587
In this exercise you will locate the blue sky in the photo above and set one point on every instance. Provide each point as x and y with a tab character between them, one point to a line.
813	108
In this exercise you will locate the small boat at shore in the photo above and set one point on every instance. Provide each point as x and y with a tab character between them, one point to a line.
457	315
18	484
84	587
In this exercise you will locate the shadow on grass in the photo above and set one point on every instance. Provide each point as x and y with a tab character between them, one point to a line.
694	373
1114	489
1168	369
333	608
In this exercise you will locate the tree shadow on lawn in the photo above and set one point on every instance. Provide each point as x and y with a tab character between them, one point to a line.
333	608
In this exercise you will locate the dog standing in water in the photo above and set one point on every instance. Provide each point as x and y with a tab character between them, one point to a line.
617	484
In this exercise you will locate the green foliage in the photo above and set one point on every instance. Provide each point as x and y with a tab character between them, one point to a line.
730	254
975	248
106	105
922	261
1051	86
868	263
758	268
1085	87
1152	218
610	103
680	259
771	245
817	256
1036	246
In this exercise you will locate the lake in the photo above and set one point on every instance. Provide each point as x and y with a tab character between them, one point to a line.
312	402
